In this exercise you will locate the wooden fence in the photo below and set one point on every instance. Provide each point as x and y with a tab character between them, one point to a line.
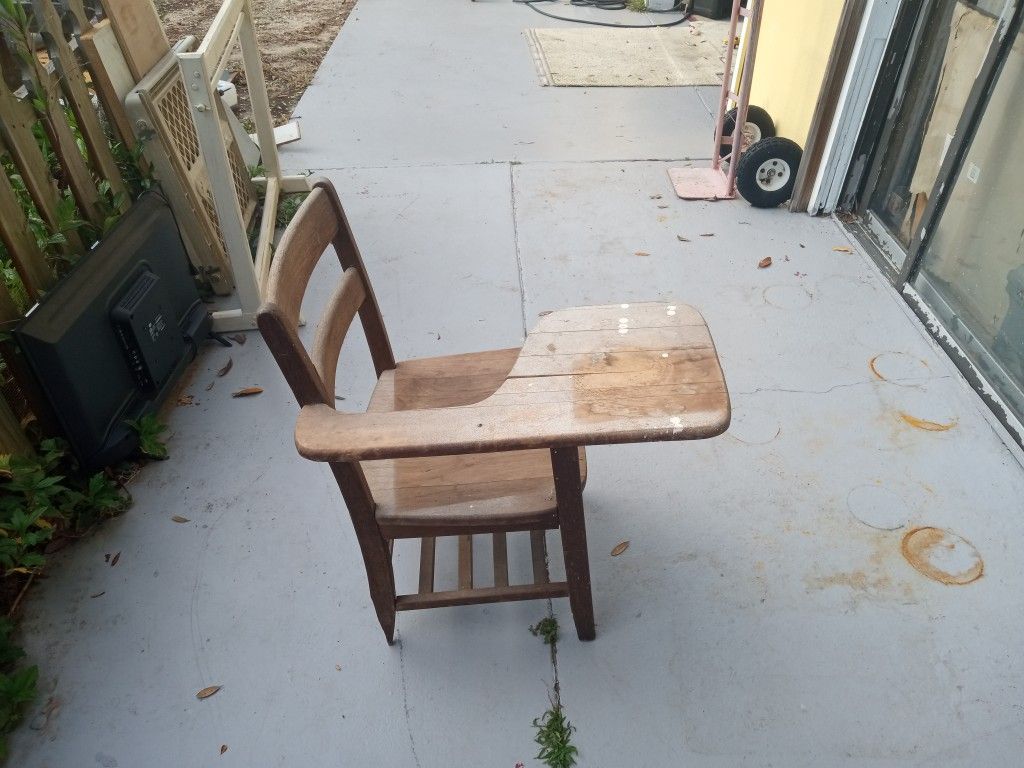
70	165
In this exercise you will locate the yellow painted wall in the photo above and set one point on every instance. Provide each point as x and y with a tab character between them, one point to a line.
796	40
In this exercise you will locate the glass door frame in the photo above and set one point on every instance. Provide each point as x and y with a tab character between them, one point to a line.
953	335
874	138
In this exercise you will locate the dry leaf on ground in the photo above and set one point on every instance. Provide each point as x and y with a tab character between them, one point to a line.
179	519
208	691
247	391
843	249
682	239
707	234
186	400
223	748
210	385
765	262
239	338
655	197
641	253
114	559
99	594
619	548
227	367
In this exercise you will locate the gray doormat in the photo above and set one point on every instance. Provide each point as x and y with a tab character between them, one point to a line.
626	57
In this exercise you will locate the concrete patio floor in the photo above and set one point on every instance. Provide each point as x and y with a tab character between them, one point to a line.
755	619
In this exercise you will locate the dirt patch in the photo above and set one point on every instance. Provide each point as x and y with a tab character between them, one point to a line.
293	35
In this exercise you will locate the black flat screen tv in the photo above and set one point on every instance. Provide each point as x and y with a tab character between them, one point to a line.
107	343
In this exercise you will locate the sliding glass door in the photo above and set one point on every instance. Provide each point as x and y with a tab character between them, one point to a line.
941	197
947	47
971	271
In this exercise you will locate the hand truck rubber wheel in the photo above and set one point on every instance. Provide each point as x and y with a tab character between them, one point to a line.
759	125
766	172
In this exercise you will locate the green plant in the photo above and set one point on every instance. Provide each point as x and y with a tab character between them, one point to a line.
51	240
136	172
149	428
287	207
111	205
554	735
52	237
546	629
41	495
17	686
27	506
14	22
104	497
554	731
44	493
15	287
637	6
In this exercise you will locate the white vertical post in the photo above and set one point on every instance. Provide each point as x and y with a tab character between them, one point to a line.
203	100
234	25
257	86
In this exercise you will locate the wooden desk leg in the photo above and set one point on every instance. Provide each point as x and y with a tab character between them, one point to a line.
375	548
569	495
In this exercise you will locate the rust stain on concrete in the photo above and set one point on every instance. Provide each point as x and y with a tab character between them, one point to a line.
875	580
925	424
942	555
857	580
874	370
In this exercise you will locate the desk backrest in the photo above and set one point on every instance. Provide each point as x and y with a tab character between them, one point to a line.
319	223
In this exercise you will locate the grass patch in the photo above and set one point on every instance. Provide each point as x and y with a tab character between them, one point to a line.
288	206
637	6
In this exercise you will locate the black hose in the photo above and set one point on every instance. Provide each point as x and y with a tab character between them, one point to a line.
607	5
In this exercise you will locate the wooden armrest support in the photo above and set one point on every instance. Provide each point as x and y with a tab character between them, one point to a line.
587	376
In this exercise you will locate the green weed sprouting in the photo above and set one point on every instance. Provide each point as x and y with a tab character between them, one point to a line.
287	207
149	428
554	731
554	735
546	629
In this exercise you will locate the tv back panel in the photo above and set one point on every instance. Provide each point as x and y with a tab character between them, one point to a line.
108	341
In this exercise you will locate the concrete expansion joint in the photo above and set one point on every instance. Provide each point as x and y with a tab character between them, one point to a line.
515	247
322	169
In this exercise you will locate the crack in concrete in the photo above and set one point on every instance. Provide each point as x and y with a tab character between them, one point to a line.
556	685
405	700
833	388
515	246
707	107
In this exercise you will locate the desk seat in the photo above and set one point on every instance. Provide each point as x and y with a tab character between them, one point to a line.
507	491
